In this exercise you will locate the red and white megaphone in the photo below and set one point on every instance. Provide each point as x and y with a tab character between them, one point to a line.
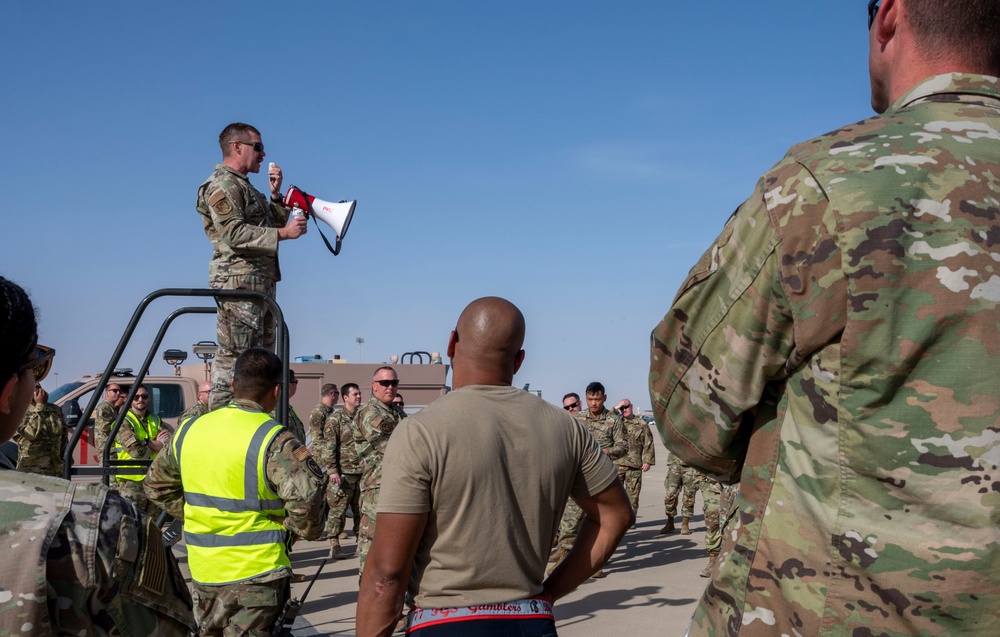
336	215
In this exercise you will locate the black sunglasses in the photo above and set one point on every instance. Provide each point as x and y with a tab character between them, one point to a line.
40	362
388	383
571	405
257	146
142	396
872	12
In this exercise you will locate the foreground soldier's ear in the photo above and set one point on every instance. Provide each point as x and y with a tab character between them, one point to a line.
6	393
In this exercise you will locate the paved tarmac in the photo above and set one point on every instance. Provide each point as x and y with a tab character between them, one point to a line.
652	583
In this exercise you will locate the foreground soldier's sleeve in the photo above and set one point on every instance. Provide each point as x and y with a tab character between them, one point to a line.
295	476
730	330
163	483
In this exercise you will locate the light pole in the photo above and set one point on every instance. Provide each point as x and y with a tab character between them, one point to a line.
360	341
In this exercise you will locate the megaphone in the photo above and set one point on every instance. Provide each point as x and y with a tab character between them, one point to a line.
336	215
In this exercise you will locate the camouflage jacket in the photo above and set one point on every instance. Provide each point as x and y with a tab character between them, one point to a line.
194	411
242	224
289	468
639	444
295	425
87	563
41	440
834	343
127	439
344	426
376	421
609	431
104	419
323	447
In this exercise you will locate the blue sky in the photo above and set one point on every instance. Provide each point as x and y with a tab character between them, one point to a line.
573	157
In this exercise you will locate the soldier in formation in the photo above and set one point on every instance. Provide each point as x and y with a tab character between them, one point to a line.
639	454
342	425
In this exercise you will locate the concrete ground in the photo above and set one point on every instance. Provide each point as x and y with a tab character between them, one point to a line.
652	583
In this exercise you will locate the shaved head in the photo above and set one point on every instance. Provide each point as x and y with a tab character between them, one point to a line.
486	343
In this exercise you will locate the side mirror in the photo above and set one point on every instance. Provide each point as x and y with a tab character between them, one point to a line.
71	412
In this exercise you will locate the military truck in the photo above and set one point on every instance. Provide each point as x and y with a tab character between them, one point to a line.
171	395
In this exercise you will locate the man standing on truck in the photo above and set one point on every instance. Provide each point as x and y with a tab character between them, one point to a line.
140	437
245	229
240	501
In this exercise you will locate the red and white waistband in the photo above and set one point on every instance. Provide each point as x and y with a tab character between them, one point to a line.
533	608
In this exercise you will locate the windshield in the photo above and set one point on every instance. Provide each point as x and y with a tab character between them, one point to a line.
62	390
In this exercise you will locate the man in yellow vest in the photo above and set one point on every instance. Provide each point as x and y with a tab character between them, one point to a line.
140	437
239	515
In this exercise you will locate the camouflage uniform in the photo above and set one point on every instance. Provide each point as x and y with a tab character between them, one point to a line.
295	425
85	563
711	494
196	410
679	475
104	419
343	426
608	429
324	449
242	225
639	451
251	605
833	347
41	440
375	423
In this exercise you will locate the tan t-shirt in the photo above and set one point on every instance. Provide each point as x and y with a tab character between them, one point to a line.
493	466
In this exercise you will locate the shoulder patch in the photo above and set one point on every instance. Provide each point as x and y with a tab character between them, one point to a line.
220	204
302	453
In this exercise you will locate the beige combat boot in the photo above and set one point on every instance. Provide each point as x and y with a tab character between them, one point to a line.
668	527
685	529
712	558
558	556
336	552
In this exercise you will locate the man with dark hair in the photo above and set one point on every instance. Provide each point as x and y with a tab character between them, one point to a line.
244	228
571	402
376	422
324	448
448	478
239	514
77	557
342	425
608	429
140	437
833	349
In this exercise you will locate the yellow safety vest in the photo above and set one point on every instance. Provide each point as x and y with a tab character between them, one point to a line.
143	431
227	500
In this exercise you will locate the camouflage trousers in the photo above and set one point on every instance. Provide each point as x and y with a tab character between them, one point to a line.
348	494
240	325
632	480
132	491
569	526
366	530
711	494
679	475
239	609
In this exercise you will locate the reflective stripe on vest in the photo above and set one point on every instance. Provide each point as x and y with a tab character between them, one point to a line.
231	516
144	431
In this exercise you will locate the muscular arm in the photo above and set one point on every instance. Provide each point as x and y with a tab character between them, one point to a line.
607	516
387	572
163	483
294	475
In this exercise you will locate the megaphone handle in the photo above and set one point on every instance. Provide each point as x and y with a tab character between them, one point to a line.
328	246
